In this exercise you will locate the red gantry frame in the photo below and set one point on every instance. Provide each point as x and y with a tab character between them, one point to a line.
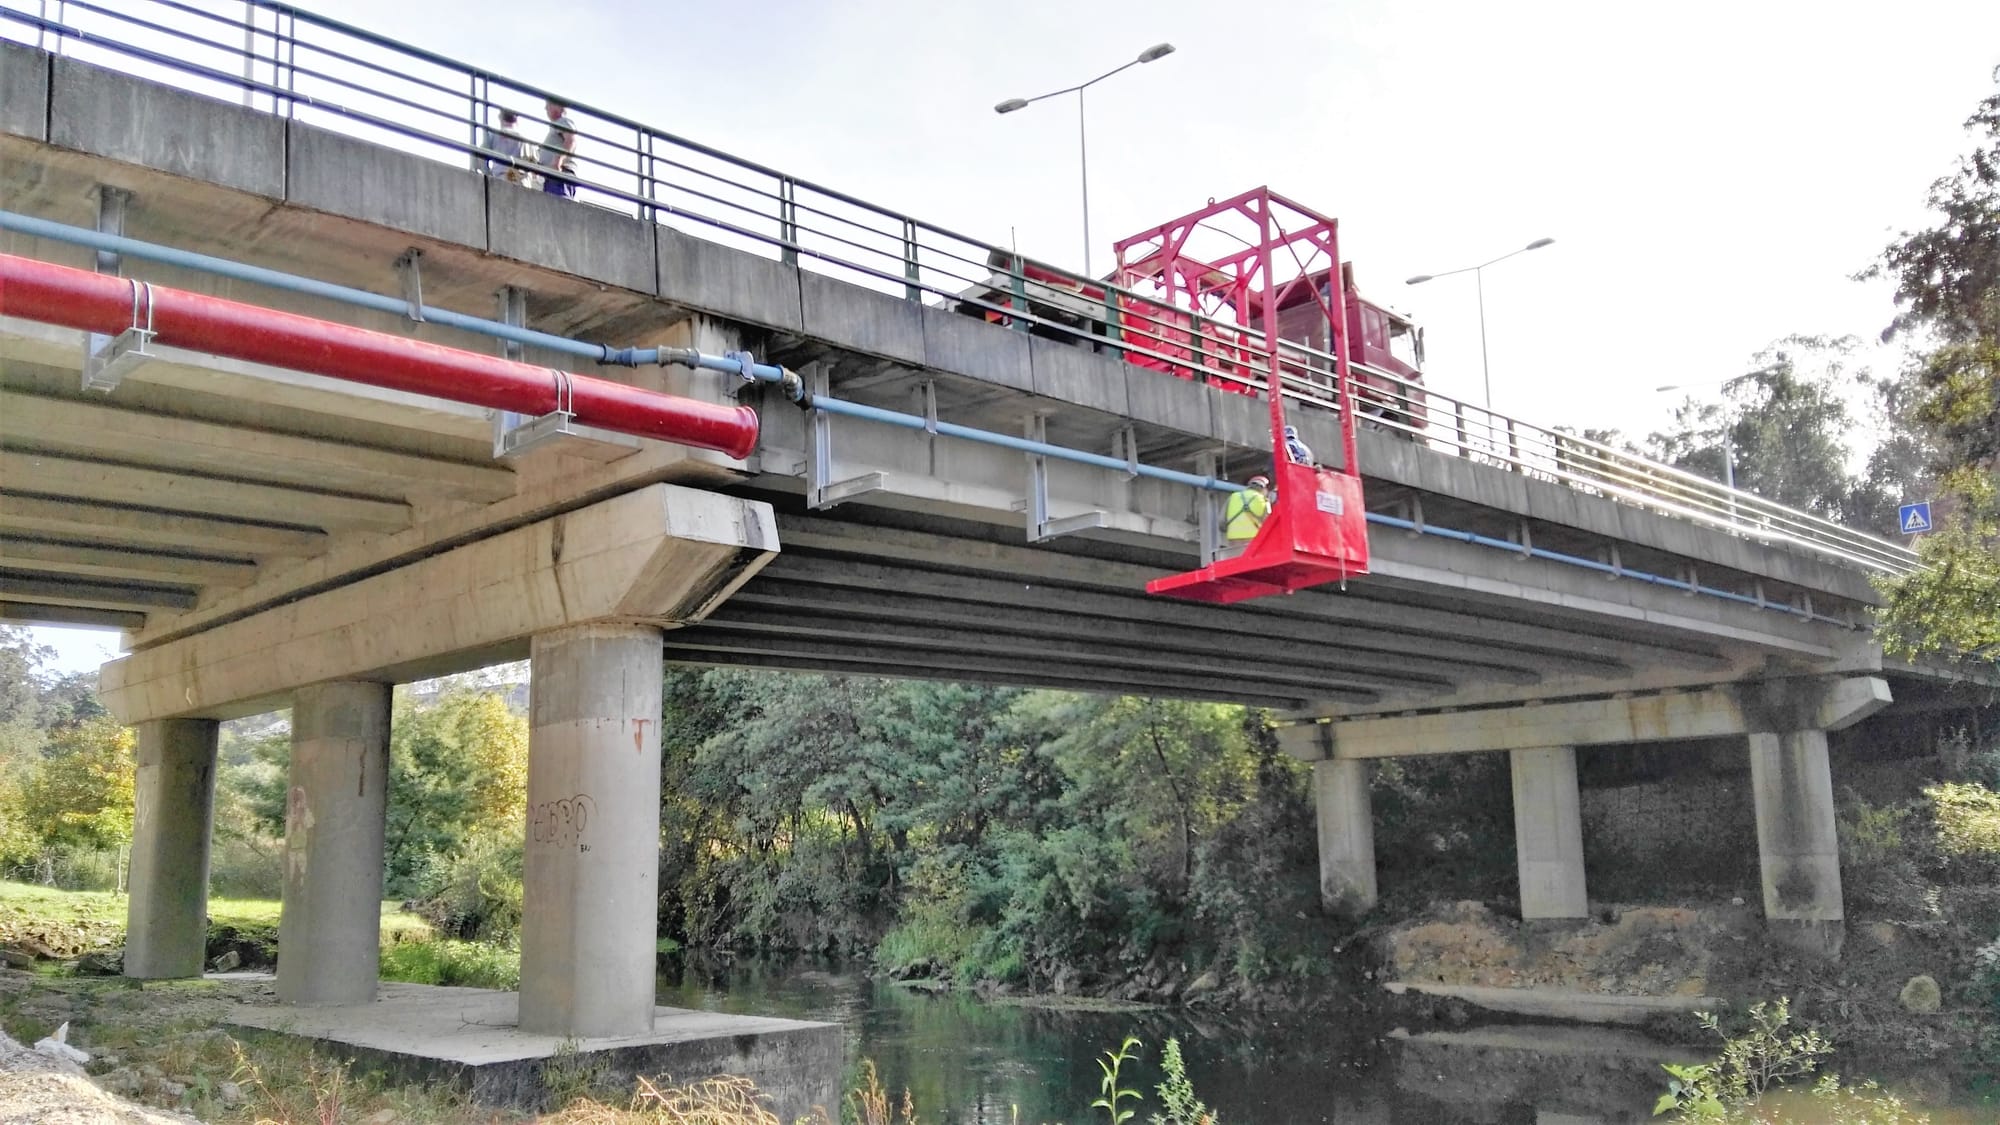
1271	249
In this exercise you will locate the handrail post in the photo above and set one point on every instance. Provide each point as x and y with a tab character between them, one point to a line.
1018	281
648	186
1514	448
1464	444
1114	331
477	97
910	289
788	220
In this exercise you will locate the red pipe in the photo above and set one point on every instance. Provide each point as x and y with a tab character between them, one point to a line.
92	302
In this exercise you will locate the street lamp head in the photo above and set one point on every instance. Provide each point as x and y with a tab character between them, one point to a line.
1419	279
1668	387
1010	105
1156	51
1538	243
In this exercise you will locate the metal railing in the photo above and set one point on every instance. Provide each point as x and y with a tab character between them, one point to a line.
299	65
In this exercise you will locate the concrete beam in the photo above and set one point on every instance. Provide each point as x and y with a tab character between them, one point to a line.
105	113
1251	639
145	527
166	917
661	554
1101	681
36	613
1714	713
100	561
1476	659
1352	607
330	932
56	590
207	496
949	659
1116	643
165	441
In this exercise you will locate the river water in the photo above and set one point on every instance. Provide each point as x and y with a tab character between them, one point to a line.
967	1061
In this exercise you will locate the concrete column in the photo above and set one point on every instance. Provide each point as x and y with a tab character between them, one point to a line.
1797	847
1548	833
166	918
589	902
330	934
1346	835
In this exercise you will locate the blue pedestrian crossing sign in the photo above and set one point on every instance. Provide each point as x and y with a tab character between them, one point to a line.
1915	519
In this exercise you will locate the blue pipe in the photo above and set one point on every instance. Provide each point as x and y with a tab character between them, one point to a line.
741	365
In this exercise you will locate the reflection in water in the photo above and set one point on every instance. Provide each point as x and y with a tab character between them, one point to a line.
970	1062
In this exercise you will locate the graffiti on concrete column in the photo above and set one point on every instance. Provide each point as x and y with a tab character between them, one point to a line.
561	822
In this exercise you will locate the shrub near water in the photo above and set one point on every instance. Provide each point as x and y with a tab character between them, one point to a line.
469	964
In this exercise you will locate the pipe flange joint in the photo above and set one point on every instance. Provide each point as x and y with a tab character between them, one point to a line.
746	365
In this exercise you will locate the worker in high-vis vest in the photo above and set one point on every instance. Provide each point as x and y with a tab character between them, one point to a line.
1245	511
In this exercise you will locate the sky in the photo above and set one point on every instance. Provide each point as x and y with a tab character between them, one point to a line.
1713	174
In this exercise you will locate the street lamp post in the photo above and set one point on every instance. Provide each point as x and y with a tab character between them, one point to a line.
1728	446
1478	273
1156	51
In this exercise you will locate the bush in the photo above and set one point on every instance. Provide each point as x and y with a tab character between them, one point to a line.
469	964
1968	829
1878	872
240	868
478	894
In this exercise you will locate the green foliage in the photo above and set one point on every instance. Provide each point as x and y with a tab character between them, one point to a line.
1177	1093
1878	866
1742	1084
1948	283
457	772
1968	828
470	964
1785	427
1109	1092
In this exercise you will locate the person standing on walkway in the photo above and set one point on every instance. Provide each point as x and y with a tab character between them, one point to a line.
558	153
505	144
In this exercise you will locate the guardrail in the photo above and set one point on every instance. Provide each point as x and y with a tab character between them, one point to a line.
296	64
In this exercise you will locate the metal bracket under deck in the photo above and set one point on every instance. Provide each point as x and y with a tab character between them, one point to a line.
821	490
108	359
1039	525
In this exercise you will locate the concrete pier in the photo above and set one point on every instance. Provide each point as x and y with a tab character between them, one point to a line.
1346	834
1548	833
591	869
329	936
1797	846
166	918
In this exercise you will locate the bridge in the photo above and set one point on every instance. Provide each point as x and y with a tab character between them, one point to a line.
945	471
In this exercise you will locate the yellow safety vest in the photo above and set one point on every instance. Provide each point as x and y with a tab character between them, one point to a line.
1244	514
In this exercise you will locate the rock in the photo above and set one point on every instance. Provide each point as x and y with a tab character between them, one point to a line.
1883	934
1921	994
124	1082
1737	901
169	1090
101	963
228	962
231	1095
57	1046
382	1117
1206	982
16	958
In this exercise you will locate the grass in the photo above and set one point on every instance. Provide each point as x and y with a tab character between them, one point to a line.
469	964
95	910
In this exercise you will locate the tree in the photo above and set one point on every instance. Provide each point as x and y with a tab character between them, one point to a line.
1947	280
80	793
1786	425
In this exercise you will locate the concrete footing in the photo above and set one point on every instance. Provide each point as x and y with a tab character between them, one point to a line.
1548	833
1797	845
469	1037
329	936
166	918
591	868
1346	835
